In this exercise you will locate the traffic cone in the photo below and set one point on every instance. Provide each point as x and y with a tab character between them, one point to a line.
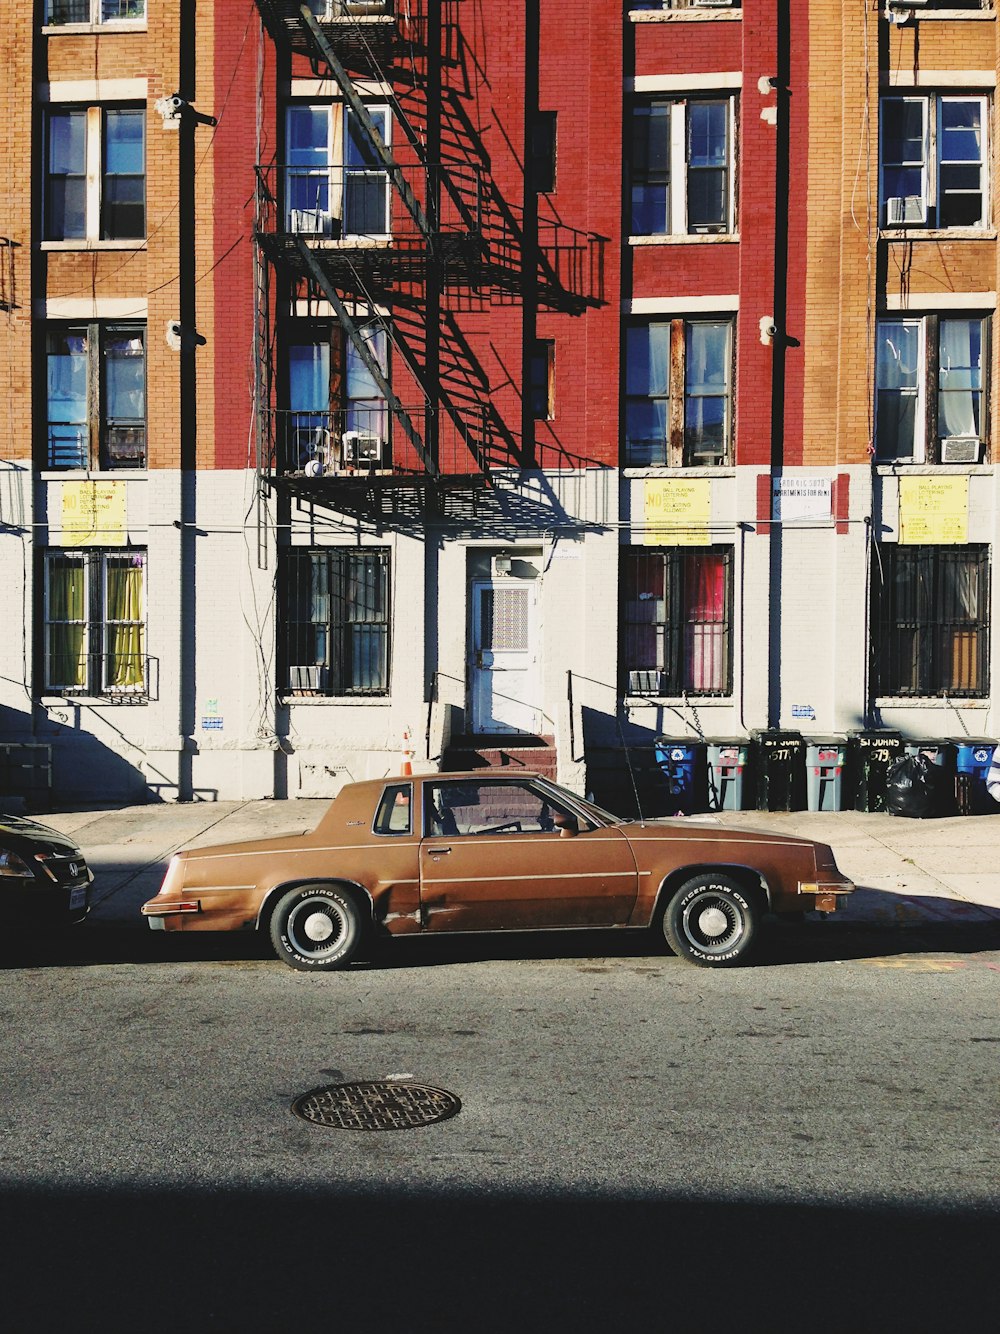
407	766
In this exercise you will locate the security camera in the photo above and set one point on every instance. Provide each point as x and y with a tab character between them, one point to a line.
171	107
768	329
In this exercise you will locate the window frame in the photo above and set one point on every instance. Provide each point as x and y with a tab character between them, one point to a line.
675	633
95	652
329	672
94	176
679	167
928	206
676	396
929	442
94	16
542	379
929	624
96	450
337	169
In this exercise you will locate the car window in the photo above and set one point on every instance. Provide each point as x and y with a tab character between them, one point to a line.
488	807
394	810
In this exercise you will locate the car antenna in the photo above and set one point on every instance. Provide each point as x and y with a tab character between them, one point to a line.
631	771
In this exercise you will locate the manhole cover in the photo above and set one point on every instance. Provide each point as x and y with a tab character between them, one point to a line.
376	1105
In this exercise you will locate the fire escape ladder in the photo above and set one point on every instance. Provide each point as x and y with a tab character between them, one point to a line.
316	273
361	112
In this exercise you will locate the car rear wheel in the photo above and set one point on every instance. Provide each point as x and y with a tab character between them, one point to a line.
316	928
711	921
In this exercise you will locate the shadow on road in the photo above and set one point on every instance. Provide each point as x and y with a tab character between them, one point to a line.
163	1259
779	944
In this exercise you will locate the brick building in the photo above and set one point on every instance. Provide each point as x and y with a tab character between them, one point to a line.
459	378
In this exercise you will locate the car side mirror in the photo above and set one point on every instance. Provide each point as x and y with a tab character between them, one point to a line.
566	824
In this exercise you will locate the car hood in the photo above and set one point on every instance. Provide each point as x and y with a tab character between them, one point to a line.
16	830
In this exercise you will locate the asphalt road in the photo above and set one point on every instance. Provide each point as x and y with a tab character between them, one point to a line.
810	1143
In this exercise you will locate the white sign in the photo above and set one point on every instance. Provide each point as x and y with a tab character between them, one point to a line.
797	498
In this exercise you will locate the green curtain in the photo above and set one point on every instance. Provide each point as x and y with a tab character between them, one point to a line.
67	665
125	628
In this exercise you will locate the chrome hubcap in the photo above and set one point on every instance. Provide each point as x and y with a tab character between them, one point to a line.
318	927
712	922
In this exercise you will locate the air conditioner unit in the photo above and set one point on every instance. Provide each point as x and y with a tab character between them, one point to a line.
647	683
901	209
711	4
304	678
361	7
311	222
960	449
361	448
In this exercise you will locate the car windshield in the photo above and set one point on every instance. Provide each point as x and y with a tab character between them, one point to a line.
597	814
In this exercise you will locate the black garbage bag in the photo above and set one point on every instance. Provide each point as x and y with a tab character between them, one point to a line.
916	787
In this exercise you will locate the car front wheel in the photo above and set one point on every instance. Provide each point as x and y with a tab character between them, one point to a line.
316	928
711	921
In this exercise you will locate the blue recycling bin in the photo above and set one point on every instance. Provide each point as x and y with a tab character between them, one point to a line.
682	765
973	756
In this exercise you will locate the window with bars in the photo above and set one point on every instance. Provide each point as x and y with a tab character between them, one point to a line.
95	396
678	393
94	623
930	619
334	611
676	620
95	174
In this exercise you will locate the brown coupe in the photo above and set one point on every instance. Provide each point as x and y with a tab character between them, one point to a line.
484	851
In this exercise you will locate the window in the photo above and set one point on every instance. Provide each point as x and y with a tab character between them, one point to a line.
930	403
676	620
933	159
541	379
542	151
930	613
95	183
681	167
337	415
335	182
335	605
493	806
678	393
394	814
96	396
92	12
94	623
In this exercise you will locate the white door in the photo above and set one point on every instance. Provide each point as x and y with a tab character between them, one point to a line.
504	676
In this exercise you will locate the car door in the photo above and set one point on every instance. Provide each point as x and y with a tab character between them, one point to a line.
493	857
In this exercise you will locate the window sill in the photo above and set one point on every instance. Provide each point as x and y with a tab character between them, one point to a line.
678	701
930	702
125	698
80	243
952	15
328	701
684	15
92	474
931	469
938	233
696	470
684	238
86	29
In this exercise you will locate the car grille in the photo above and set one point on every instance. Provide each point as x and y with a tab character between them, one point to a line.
68	869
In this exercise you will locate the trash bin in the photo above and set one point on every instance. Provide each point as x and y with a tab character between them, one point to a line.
973	756
779	770
825	757
726	770
870	752
682	765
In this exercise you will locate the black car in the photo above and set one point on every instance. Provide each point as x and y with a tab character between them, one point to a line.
44	877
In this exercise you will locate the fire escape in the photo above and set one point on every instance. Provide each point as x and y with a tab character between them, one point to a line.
364	220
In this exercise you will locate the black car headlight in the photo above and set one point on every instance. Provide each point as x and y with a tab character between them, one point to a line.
13	866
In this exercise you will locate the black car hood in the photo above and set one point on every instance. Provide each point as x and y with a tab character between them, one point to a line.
16	831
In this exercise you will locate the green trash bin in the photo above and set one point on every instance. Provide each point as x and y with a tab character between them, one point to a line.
727	762
825	756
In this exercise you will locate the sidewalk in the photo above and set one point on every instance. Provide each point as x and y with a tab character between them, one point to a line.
908	872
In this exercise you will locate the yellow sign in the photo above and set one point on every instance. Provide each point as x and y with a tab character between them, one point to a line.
677	511
933	509
93	514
